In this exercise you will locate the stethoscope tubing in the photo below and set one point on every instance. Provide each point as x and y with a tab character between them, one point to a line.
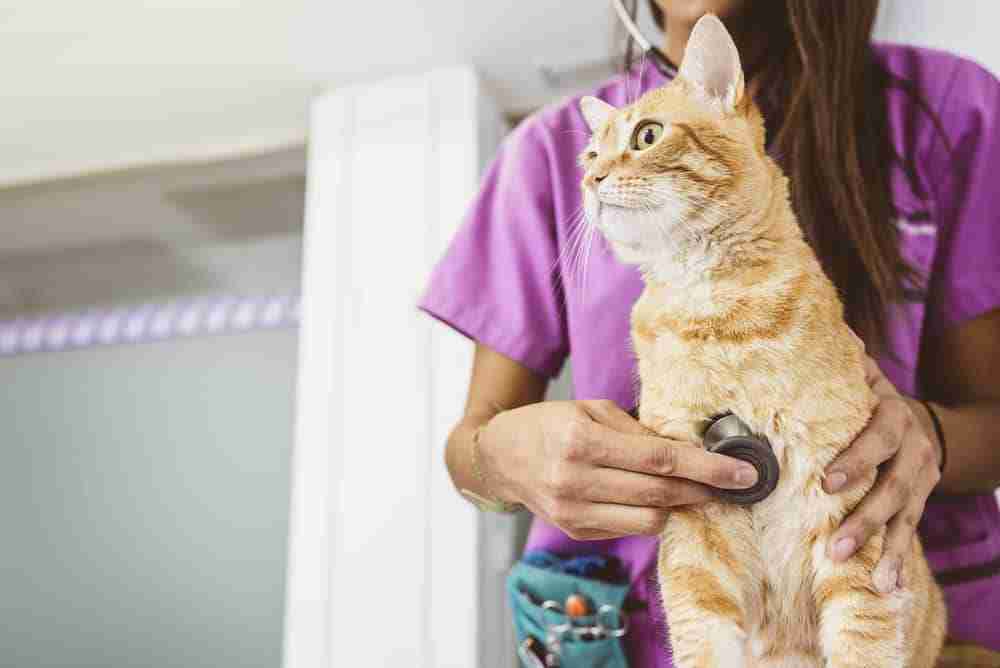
659	59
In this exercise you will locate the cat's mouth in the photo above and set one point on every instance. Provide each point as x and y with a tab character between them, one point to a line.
612	206
602	206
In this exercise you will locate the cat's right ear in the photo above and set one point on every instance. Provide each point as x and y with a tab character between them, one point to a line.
595	111
712	65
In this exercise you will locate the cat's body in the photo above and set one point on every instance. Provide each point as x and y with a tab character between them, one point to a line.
737	315
754	586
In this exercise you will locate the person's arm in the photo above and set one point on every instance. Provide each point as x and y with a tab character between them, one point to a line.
587	467
498	383
962	374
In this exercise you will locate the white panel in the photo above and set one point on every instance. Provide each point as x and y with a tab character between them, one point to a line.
384	427
384	557
314	473
453	554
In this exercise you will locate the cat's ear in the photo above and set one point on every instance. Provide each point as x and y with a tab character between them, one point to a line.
712	65
595	111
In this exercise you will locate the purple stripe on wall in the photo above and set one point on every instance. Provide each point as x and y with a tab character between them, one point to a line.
149	322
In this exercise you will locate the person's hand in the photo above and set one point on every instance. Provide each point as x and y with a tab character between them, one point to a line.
591	469
895	443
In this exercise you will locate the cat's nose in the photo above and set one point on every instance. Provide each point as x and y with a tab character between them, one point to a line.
597	176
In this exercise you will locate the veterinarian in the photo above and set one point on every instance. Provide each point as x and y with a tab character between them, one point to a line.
893	153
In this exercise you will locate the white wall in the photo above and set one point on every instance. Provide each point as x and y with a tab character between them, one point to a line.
101	84
143	500
107	83
166	207
144	488
966	27
110	83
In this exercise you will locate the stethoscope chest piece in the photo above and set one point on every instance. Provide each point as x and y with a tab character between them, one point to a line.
728	435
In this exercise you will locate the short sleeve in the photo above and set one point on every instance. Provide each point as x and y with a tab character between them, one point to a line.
497	282
965	279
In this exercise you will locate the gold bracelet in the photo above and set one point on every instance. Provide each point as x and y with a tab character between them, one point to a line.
488	504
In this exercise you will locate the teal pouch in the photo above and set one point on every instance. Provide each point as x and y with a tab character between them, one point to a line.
529	588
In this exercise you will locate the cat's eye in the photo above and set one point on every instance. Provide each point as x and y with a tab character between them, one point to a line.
591	155
646	134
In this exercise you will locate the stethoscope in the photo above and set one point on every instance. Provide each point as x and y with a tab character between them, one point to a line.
728	435
657	57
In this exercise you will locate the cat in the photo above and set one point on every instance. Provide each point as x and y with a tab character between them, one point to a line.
737	315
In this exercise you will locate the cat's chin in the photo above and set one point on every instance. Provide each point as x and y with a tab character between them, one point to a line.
632	255
655	241
621	225
635	235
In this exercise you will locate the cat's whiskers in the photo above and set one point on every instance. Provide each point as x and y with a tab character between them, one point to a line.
570	253
579	252
591	232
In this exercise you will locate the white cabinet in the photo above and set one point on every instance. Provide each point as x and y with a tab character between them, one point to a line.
386	562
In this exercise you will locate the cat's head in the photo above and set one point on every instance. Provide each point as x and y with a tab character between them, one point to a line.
682	162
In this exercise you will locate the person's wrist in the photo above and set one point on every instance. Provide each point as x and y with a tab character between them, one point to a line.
924	413
936	434
495	497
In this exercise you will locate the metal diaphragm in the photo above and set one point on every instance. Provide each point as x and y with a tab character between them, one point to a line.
729	436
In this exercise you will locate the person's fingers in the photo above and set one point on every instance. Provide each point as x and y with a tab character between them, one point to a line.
877	380
891	493
896	548
606	485
591	521
663	457
610	414
901	490
902	528
876	444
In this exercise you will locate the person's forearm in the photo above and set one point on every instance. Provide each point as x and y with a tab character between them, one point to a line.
498	383
973	443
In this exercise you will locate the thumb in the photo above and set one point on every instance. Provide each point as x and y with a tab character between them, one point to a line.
611	415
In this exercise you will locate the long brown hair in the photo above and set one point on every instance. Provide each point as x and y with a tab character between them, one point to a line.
831	136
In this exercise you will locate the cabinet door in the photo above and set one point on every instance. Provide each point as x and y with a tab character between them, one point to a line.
386	562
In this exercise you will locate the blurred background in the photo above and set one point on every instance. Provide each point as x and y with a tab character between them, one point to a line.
154	161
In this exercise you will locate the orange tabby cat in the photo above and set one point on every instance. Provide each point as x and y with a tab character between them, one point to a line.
737	315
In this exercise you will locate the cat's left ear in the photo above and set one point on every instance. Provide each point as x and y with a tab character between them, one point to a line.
595	111
712	65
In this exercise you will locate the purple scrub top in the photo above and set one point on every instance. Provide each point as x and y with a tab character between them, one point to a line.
505	282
